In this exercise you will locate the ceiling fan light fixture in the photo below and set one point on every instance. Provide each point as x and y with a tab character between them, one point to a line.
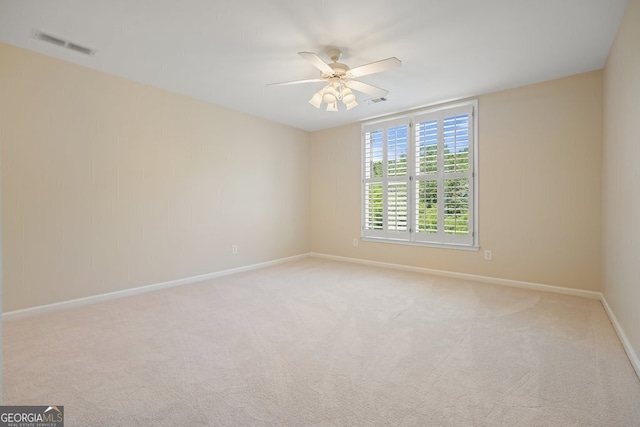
316	100
330	95
347	96
340	79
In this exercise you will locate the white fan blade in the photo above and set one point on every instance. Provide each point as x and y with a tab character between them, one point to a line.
375	67
317	62
295	82
376	92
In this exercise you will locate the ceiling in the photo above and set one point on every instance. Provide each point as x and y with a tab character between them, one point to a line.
227	51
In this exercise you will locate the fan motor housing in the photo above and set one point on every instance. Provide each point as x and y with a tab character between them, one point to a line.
339	70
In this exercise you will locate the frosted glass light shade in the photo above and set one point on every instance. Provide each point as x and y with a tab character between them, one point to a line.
330	95
316	100
347	96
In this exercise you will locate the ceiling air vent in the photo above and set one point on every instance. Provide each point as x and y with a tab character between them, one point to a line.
49	39
79	48
39	35
376	100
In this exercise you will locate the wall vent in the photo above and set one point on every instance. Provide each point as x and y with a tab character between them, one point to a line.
39	35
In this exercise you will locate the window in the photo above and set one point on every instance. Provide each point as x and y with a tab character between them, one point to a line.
419	178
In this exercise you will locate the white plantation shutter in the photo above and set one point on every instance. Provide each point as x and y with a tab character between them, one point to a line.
397	212
443	184
386	180
426	131
374	209
373	215
418	177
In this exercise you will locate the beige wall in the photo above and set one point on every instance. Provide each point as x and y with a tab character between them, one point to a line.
109	184
621	201
540	189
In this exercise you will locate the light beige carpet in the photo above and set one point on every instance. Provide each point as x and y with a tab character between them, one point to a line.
323	343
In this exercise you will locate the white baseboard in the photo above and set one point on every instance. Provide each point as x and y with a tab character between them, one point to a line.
32	311
626	344
465	276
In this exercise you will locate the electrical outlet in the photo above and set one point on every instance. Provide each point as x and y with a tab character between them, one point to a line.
355	242
488	255
234	249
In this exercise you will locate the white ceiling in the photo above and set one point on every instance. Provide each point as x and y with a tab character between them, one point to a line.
226	51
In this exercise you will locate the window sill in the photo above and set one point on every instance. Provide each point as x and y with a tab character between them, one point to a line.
472	248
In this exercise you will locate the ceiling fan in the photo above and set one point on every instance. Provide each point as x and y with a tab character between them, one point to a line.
340	79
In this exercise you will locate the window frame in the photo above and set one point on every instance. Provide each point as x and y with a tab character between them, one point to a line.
412	179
